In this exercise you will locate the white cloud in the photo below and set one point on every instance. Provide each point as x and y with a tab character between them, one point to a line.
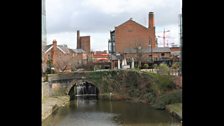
98	41
67	38
98	17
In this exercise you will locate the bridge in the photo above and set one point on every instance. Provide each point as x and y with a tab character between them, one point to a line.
64	83
102	81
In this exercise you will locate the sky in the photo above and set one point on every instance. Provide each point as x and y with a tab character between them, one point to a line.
96	18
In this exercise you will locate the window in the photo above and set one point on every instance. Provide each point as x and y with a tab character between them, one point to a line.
113	36
162	54
113	47
109	46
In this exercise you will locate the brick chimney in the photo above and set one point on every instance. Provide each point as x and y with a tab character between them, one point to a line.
78	40
151	20
54	51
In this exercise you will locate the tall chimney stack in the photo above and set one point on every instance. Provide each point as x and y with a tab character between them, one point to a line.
151	20
54	52
78	40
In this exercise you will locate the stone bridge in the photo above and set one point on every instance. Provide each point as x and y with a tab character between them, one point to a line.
61	84
105	81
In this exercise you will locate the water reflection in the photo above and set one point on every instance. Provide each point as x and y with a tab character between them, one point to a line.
83	112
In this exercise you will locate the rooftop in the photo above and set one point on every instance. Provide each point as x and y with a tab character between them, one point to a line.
148	50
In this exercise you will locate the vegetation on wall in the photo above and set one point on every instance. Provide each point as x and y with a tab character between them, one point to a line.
142	86
168	98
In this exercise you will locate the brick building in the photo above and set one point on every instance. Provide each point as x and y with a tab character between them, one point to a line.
173	49
101	56
62	58
131	35
83	42
176	53
79	56
133	40
145	54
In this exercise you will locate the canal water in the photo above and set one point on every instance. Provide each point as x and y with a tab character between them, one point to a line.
109	113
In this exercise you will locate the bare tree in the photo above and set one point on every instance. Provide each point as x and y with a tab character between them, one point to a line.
62	62
44	67
139	52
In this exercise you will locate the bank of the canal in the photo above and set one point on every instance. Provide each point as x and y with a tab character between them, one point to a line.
51	104
175	110
159	91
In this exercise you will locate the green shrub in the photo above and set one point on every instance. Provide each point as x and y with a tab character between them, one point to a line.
166	83
145	66
161	83
151	97
169	98
134	92
176	65
163	69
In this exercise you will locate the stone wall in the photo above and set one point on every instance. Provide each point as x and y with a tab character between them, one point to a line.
45	89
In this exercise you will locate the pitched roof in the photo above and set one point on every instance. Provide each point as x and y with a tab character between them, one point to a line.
148	50
78	50
63	48
176	53
130	20
160	49
45	48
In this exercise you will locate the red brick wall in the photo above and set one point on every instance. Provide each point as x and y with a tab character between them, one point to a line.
131	34
54	51
158	54
85	43
54	54
146	56
78	40
175	49
151	20
79	58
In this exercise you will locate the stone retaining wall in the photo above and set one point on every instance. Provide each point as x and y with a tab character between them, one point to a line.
51	104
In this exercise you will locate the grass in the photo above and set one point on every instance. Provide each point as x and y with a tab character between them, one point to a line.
176	108
168	98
